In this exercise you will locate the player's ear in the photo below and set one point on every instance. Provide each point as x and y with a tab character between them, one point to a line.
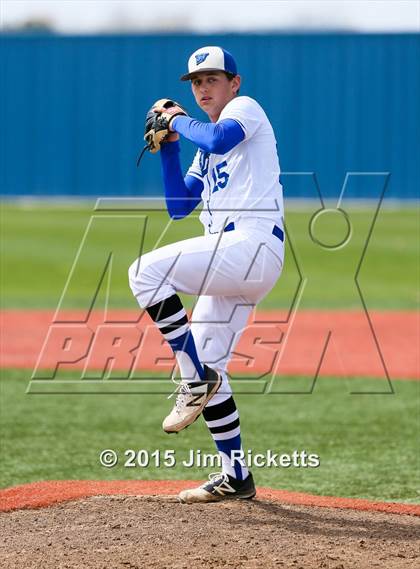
236	84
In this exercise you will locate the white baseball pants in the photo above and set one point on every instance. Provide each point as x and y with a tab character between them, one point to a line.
229	272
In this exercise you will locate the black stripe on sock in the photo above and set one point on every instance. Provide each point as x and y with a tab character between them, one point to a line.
174	325
225	428
219	411
166	308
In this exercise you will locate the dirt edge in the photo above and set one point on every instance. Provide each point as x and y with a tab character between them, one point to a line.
46	493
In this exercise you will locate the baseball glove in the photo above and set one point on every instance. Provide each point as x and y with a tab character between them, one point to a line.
158	122
157	128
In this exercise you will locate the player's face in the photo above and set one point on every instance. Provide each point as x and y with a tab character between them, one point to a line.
213	91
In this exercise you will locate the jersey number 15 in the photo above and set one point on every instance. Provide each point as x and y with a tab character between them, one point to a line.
220	178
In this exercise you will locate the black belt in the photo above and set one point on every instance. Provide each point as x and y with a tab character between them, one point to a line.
276	230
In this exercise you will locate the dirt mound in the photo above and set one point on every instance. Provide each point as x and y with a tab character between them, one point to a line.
110	532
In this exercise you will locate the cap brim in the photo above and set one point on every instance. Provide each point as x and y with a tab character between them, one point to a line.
188	76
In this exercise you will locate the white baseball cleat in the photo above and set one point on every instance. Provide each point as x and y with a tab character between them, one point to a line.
191	399
220	486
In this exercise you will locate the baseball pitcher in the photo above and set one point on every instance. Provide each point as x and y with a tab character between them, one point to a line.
230	268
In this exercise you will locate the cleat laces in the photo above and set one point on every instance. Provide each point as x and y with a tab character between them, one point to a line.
213	478
182	391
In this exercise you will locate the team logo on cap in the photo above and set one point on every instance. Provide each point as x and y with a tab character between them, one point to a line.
200	57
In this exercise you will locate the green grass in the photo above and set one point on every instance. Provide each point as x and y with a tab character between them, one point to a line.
39	245
366	443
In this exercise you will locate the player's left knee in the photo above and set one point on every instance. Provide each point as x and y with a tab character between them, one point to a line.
136	275
133	273
143	279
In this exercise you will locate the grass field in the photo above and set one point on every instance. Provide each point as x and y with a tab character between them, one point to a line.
40	244
366	443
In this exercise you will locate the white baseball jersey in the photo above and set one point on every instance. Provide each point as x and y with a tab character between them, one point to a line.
244	182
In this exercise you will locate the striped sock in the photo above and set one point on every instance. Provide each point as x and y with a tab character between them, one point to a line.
171	319
223	422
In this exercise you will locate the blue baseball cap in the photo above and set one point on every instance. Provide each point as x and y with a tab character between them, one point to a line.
210	58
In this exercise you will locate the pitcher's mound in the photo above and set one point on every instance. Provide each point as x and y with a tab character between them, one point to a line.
110	532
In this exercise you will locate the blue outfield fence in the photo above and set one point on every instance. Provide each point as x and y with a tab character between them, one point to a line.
72	109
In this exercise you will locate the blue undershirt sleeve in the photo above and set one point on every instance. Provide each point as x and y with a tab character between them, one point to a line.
182	195
216	138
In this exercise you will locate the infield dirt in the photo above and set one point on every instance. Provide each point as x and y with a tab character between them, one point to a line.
352	350
110	532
